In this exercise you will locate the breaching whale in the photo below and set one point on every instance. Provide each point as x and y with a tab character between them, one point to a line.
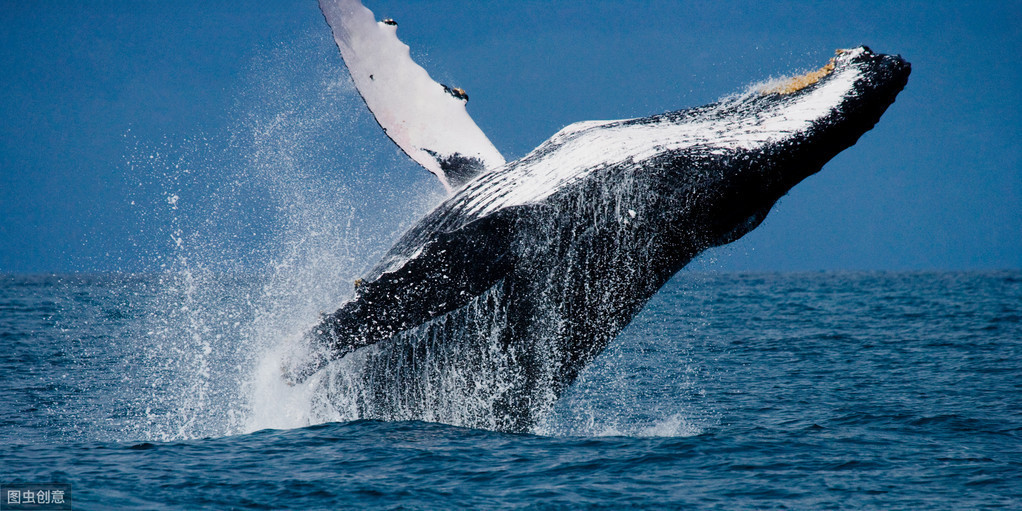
491	305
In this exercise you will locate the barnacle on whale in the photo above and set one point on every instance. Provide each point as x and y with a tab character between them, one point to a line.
797	83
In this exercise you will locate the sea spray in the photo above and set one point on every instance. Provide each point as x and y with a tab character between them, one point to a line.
253	233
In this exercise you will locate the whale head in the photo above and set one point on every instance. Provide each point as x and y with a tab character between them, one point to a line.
714	172
779	133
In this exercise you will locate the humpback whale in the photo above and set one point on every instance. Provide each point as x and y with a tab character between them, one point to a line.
488	308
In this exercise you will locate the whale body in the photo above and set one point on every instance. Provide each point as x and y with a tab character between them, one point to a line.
490	306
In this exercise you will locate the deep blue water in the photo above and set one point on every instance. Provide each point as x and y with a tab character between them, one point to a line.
729	391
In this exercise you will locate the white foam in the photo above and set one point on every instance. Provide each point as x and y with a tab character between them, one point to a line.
677	425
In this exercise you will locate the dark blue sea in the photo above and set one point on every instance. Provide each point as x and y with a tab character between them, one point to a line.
729	391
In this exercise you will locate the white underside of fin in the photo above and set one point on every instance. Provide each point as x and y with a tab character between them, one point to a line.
423	117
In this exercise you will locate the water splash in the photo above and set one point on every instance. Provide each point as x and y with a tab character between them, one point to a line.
254	233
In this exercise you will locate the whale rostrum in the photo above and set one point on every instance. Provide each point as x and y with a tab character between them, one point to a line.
491	305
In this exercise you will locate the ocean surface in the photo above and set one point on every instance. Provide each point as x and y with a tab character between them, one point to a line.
729	391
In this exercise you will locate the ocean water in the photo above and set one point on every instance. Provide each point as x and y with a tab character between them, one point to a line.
839	390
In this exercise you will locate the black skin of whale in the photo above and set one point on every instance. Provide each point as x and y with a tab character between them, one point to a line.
573	274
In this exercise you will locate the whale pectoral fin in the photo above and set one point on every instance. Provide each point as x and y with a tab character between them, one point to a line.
449	272
426	119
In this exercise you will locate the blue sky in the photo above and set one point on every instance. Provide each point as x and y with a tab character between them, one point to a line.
103	103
